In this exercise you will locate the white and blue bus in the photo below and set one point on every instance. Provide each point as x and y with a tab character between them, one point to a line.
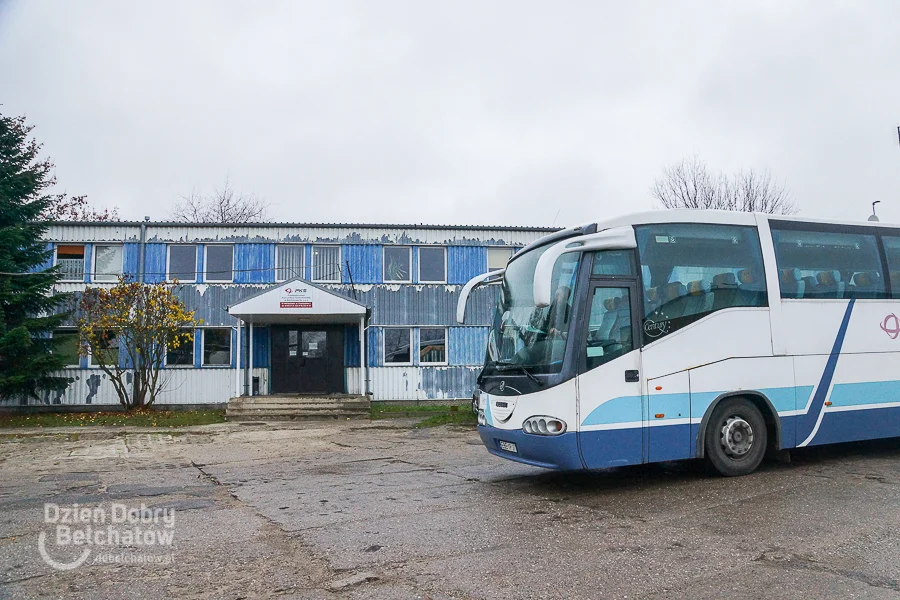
692	334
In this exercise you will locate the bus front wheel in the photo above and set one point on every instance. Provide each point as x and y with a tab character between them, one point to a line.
736	437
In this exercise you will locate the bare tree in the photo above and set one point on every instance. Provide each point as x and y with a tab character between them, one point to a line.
224	205
690	184
62	207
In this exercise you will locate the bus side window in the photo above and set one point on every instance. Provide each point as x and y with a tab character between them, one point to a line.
609	326
691	270
892	250
831	262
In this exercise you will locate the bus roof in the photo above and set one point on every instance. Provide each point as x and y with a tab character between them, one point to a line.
723	217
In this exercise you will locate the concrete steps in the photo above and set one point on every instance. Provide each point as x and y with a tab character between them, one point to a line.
290	408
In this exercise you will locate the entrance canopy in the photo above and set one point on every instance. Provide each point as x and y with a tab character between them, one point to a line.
298	301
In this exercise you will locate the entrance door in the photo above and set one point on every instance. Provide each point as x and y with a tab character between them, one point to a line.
611	406
307	360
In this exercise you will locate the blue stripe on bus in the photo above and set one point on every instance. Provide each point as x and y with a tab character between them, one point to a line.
807	423
873	392
626	409
855	425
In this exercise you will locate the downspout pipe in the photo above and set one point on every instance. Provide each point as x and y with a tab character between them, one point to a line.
141	250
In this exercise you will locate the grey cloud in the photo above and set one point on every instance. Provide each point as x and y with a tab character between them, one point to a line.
462	112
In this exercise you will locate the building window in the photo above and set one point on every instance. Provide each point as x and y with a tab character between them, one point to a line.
289	261
70	261
182	353
892	250
397	344
217	347
692	270
65	344
498	257
108	351
827	262
182	263
326	263
432	265
107	263
219	263
397	263
433	346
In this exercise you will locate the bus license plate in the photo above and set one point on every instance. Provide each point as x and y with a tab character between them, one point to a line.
508	447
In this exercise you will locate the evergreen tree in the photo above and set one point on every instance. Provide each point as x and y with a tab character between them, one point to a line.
26	305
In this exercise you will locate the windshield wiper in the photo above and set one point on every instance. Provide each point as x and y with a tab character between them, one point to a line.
508	366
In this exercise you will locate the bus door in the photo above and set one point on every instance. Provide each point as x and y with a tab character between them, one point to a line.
609	387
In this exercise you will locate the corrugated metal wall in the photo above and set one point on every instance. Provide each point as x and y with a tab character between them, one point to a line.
465	262
154	263
254	263
365	263
131	258
184	386
467	345
422	383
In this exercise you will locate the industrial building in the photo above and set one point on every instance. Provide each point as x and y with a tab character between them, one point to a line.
297	308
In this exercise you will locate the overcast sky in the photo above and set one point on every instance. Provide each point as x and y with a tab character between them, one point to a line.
456	112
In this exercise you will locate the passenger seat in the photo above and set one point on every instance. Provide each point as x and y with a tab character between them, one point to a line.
866	284
830	285
792	285
750	294
725	291
674	301
699	300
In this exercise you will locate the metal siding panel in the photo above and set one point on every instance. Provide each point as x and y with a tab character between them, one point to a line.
201	259
351	346
131	258
299	232
184	386
396	383
365	263
261	347
467	345
351	378
422	383
154	263
331	234
435	304
449	382
465	262
91	232
376	353
254	263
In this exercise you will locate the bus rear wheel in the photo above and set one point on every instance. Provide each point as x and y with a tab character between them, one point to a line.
736	437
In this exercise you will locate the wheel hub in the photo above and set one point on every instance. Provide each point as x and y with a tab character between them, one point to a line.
737	437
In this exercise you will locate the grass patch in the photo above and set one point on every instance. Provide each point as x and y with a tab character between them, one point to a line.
143	418
387	411
462	417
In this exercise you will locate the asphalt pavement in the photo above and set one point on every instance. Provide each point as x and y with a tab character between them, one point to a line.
383	510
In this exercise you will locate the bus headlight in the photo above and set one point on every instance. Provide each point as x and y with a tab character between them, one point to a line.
544	426
482	420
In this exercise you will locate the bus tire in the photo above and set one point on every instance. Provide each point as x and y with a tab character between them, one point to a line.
736	437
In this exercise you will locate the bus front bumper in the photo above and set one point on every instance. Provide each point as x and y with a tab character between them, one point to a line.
549	452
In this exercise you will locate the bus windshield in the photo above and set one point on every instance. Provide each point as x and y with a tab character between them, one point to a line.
524	336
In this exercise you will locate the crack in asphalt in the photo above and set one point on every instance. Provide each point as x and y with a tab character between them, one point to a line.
795	561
